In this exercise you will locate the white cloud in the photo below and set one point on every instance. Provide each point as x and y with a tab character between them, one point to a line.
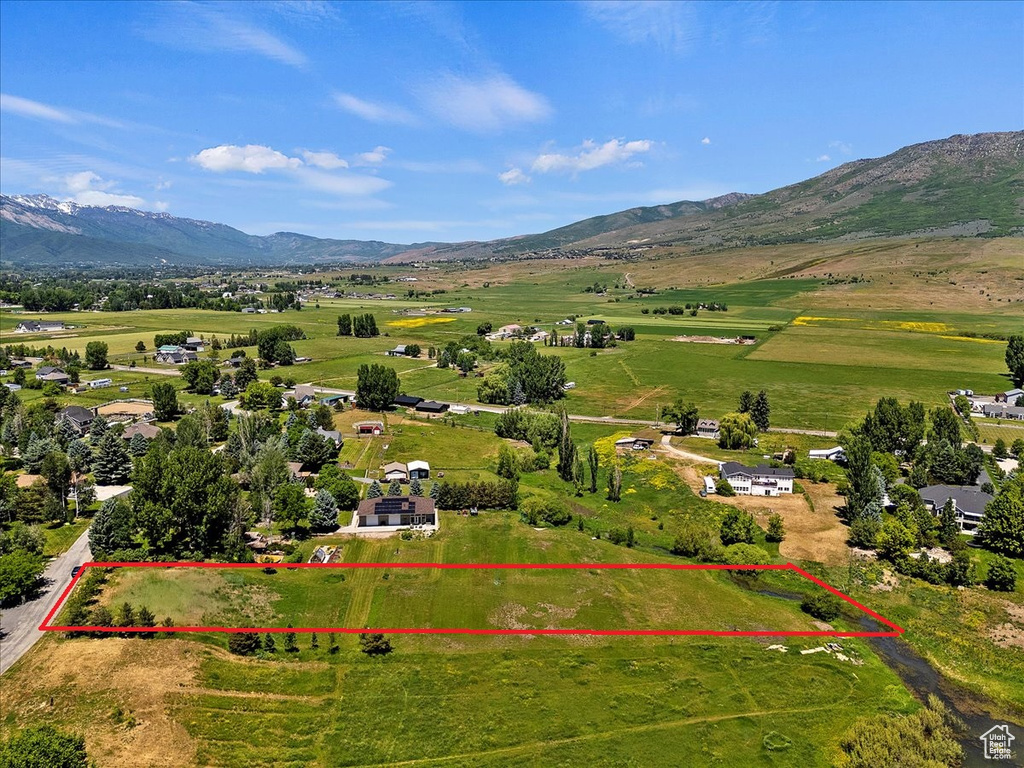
347	184
843	147
161	206
252	158
195	26
668	26
375	156
822	159
162	185
590	156
375	112
705	140
88	188
513	176
326	160
482	105
38	111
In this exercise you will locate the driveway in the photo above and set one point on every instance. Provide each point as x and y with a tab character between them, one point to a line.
666	444
19	626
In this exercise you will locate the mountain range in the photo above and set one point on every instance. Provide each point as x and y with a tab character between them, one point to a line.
966	185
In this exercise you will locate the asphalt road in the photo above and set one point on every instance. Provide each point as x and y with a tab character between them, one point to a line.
19	625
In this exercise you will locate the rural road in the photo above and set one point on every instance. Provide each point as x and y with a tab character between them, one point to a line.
19	625
137	369
814	432
666	443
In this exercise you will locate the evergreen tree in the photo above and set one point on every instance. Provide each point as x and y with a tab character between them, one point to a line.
615	484
332	643
435	489
269	644
112	465
948	528
36	451
138	445
145	618
578	476
395	489
375	491
79	456
508	464
760	411
289	641
593	462
313	642
111	528
415	487
325	512
746	401
98	429
344	325
566	450
776	531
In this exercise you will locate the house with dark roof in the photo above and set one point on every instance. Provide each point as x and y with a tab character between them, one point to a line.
148	431
43	371
431	406
397	511
174	355
1003	411
707	428
331	434
79	418
970	502
56	375
408	401
761	480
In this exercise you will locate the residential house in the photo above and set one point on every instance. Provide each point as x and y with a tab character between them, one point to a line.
761	480
431	406
419	470
408	401
21	363
398	351
970	502
707	428
303	394
295	471
79	418
1003	411
39	326
148	431
175	355
46	370
830	454
55	375
370	428
1010	396
397	511
331	434
248	311
396	470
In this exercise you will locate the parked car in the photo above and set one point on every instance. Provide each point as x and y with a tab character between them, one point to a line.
75	570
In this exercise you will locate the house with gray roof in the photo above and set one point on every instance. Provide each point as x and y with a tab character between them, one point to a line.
970	502
761	480
79	418
1003	411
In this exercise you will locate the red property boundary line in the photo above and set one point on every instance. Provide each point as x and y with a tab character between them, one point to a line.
894	629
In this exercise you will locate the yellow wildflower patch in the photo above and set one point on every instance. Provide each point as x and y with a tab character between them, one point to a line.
973	338
917	327
419	322
810	320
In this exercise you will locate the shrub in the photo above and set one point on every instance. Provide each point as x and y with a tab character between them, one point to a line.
738	527
864	532
724	488
244	643
1002	576
696	542
374	644
826	607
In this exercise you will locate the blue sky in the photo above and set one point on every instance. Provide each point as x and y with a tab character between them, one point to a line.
416	121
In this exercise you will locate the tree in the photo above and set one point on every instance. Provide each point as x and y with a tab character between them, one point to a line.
43	746
395	488
377	386
593	463
1002	576
566	450
112	465
344	325
145	618
684	415
375	491
823	605
79	456
259	395
615	484
314	451
508	463
291	507
415	487
36	451
864	489
737	527
412	350
289	641
948	528
760	411
165	401
1015	358
724	488
484	328
96	355
19	572
746	401
342	488
945	428
736	431
895	540
776	530
325	512
244	643
313	642
269	645
999	448
138	445
374	644
140	346
200	375
98	429
246	374
1002	527
57	472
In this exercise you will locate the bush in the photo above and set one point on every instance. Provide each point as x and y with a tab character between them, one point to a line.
374	644
826	607
864	532
1002	576
738	527
696	542
724	488
244	643
537	510
776	530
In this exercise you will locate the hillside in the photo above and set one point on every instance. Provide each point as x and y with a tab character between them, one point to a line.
960	186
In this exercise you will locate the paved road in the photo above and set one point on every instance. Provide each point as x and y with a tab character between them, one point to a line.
20	624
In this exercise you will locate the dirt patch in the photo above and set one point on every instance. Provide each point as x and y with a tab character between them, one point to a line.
713	340
115	411
1011	633
82	682
811	534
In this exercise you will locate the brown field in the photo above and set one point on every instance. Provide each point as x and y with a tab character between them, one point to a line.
124	409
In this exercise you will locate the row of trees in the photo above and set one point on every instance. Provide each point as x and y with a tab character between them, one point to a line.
360	326
524	376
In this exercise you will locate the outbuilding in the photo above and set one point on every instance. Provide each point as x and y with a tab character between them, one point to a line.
419	470
431	406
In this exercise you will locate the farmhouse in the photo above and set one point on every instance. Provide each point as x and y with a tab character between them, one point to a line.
396	510
1010	396
1003	411
148	431
331	434
396	470
970	503
175	355
707	428
761	480
408	401
398	351
77	417
829	454
431	406
419	470
370	428
303	394
46	370
39	326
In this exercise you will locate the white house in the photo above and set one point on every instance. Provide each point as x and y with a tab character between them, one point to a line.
38	326
757	481
830	454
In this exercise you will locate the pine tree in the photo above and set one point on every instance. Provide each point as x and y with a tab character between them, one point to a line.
760	411
138	445
746	401
395	489
948	528
435	489
592	460
269	645
289	641
97	430
415	487
145	618
313	642
112	465
374	491
325	512
332	643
